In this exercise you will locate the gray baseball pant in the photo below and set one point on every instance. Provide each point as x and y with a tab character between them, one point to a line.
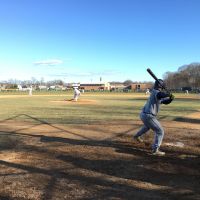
150	122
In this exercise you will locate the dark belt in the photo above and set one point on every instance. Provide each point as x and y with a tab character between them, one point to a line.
149	113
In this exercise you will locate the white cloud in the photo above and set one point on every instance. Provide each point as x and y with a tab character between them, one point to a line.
49	62
86	74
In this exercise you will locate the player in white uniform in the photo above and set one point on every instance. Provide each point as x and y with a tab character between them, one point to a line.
77	93
30	90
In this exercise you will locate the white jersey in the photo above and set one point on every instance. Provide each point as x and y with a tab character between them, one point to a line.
76	91
76	94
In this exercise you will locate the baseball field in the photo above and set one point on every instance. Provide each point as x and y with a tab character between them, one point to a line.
52	148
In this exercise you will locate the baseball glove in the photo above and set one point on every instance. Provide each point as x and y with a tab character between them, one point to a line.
169	100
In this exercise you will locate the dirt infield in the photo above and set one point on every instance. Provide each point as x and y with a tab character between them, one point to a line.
97	161
79	102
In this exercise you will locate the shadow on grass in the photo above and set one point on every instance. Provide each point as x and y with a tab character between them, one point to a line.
41	122
188	120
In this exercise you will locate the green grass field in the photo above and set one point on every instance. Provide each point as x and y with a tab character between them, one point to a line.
104	107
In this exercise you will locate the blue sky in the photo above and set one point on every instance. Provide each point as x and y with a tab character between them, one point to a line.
83	40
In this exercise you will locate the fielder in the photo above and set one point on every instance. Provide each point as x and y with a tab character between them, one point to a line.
147	91
77	93
30	90
148	115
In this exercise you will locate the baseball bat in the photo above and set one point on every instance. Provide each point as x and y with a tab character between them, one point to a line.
156	79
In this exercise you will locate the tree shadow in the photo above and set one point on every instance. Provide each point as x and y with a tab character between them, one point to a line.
40	122
138	169
113	170
110	189
126	175
6	197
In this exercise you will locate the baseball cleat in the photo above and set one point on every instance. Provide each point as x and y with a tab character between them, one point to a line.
158	153
138	139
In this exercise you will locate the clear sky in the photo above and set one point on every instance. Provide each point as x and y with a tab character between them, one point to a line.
83	40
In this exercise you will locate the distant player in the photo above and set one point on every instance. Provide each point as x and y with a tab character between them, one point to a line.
147	91
77	93
149	113
30	90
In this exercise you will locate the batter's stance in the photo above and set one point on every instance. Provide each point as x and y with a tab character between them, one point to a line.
149	112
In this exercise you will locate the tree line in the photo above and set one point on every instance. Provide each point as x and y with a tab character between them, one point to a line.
186	78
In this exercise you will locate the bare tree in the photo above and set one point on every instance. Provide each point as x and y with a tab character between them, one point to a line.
186	76
128	82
